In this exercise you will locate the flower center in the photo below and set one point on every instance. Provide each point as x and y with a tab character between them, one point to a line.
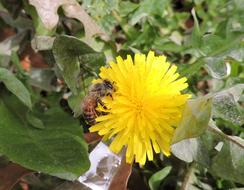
139	107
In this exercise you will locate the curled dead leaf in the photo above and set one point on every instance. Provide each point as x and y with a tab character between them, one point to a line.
121	178
47	10
11	174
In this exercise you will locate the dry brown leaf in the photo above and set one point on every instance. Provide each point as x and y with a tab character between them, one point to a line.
29	58
47	10
6	32
120	180
92	137
11	174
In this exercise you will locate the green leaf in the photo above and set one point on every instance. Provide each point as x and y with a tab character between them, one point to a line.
71	55
192	69
101	11
215	59
210	43
166	45
75	103
239	4
223	155
58	149
149	8
126	7
194	120
34	121
197	113
43	79
15	86
156	179
146	36
196	33
217	67
15	60
225	105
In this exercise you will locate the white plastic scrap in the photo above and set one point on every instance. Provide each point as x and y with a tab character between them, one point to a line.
104	165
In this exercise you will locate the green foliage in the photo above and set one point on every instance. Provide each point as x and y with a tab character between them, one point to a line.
15	86
148	9
196	33
204	38
74	57
223	155
212	148
226	105
156	179
58	149
195	119
34	121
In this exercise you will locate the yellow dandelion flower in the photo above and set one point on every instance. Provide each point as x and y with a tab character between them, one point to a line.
146	107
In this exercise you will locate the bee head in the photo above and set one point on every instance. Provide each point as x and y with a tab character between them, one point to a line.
108	84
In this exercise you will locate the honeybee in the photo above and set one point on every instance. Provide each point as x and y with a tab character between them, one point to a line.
94	97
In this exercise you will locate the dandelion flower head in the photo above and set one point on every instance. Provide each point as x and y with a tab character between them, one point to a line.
146	107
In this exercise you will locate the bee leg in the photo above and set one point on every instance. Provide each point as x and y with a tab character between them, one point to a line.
98	113
110	95
101	103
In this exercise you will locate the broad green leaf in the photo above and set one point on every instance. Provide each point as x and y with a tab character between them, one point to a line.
102	12
19	22
166	45
156	179
43	79
107	23
216	65
194	120
197	113
225	105
235	24
71	55
211	42
193	68
215	59
15	86
75	103
34	121
126	7
58	149
223	155
3	161
146	37
149	8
